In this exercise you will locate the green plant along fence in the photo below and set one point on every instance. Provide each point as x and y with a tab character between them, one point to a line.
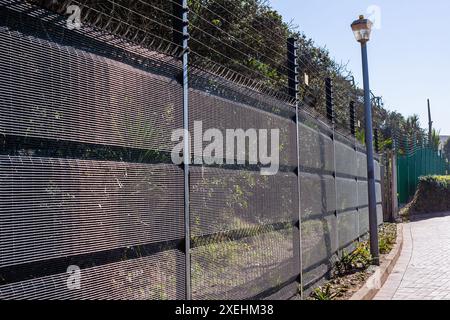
410	167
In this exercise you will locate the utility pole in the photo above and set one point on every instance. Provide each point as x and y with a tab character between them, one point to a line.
430	125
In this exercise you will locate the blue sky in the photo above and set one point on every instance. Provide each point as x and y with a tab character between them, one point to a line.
409	55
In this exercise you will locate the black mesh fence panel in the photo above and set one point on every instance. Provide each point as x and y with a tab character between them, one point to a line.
156	277
318	198
334	196
55	207
85	180
253	267
223	114
58	92
243	229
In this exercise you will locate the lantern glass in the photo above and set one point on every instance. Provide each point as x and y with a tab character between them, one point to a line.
362	29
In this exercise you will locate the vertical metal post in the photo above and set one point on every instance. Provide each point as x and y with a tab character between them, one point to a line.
331	116
329	98
386	216
181	37
293	83
394	185
293	69
430	125
353	132
352	118
377	143
373	220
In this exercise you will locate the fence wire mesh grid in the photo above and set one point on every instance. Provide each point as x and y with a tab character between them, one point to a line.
86	177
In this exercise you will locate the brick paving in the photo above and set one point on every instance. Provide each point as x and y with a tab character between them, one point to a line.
423	269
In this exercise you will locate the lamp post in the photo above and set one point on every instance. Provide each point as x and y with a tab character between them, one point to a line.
362	29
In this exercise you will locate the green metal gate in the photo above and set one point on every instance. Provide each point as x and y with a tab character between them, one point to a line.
423	162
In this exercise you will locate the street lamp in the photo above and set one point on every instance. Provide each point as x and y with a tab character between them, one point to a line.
362	29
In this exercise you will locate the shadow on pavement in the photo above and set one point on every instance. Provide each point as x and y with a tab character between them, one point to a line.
428	216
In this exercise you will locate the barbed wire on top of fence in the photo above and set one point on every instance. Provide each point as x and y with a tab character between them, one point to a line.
251	55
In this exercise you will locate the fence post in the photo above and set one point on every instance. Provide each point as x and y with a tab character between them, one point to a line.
293	75
352	118
293	69
394	185
181	38
388	184
377	142
383	176
329	99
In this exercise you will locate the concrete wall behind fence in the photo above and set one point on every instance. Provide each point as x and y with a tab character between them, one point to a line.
86	179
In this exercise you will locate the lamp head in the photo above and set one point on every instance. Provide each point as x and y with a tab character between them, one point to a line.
362	29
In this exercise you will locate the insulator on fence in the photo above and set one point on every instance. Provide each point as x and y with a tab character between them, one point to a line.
377	142
352	118
180	23
293	68
329	99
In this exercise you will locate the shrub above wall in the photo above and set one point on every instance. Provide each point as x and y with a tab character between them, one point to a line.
433	195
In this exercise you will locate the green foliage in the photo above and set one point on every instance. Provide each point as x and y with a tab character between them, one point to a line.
355	264
360	136
386	144
435	139
385	246
324	293
357	260
432	195
387	238
406	132
441	182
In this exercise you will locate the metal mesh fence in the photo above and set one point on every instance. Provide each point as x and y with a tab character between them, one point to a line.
242	226
153	277
86	177
334	201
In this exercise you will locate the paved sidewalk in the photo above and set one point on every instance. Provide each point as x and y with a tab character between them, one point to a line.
423	269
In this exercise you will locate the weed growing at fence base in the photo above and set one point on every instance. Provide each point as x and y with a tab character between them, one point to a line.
353	269
388	238
355	261
324	293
